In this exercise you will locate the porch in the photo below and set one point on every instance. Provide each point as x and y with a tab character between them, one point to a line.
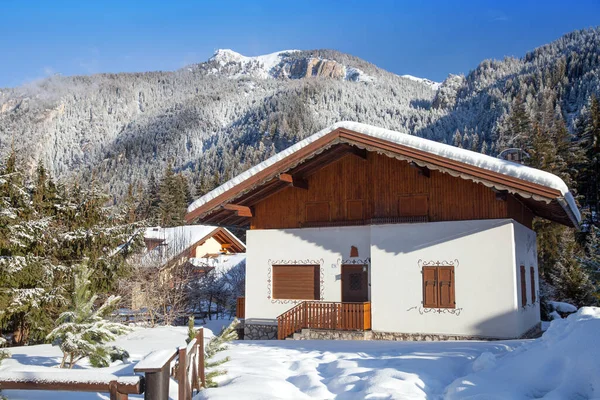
345	316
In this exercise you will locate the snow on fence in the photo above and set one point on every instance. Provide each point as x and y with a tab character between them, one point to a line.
119	387
188	372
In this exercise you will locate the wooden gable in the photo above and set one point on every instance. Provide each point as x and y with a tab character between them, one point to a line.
354	191
378	191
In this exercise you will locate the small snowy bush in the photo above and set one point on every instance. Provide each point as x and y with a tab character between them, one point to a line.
84	331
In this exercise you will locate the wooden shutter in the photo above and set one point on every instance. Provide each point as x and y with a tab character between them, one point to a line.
296	282
413	206
523	287
430	287
317	212
354	210
445	278
532	275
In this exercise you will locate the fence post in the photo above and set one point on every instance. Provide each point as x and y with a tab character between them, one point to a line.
182	374
157	384
200	344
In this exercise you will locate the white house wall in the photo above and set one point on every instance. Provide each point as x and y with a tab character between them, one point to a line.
324	246
483	255
483	252
526	255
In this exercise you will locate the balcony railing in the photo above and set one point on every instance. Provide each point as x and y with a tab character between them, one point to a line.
324	315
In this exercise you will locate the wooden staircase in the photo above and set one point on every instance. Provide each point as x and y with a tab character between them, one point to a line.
324	315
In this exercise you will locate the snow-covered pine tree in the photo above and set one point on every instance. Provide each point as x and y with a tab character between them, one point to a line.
84	331
215	345
32	283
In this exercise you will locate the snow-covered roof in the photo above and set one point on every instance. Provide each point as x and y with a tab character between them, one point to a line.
478	160
175	240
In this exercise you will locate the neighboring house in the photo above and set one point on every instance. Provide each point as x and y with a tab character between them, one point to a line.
197	245
199	248
362	232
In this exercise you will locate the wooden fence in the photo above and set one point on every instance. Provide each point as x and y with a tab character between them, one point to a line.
324	315
119	388
188	371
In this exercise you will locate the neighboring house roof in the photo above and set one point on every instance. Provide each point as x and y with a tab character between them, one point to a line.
179	241
550	197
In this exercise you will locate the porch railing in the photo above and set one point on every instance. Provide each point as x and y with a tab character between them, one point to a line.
324	315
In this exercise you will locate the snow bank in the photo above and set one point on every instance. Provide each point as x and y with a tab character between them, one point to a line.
563	364
453	153
562	307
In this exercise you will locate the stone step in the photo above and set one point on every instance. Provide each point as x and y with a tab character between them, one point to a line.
297	336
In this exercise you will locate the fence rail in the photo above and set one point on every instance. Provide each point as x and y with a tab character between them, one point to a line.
324	315
119	388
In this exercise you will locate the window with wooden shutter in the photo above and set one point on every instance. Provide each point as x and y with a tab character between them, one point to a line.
446	287
413	206
430	287
532	275
523	287
296	282
438	287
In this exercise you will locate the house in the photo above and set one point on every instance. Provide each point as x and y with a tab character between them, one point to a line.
198	246
198	249
366	233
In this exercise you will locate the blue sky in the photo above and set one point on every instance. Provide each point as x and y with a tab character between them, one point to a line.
422	38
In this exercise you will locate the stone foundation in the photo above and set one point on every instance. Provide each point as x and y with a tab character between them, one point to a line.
314	334
260	332
534	332
269	332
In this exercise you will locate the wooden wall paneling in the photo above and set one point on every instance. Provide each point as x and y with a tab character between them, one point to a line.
379	182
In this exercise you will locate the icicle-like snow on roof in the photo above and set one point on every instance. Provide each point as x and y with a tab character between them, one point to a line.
440	149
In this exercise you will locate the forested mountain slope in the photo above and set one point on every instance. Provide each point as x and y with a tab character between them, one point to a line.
230	112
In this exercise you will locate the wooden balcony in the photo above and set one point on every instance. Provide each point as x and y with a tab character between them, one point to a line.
324	315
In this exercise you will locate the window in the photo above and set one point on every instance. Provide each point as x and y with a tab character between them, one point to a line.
532	276
523	287
296	282
438	287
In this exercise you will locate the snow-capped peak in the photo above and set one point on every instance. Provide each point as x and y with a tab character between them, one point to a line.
432	84
259	66
281	65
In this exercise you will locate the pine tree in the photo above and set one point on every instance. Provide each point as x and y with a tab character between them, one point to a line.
588	136
32	285
519	126
84	331
569	277
174	197
217	344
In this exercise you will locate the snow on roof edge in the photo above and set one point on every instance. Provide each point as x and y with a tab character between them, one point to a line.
479	160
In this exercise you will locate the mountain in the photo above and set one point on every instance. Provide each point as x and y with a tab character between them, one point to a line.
214	119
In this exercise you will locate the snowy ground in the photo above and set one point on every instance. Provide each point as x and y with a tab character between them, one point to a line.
563	364
138	343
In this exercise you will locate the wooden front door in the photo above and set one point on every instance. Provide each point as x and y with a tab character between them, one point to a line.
355	284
